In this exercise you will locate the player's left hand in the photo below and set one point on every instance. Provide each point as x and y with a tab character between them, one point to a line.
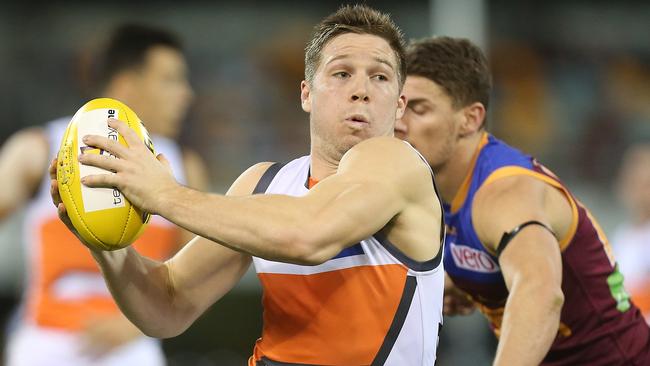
100	336
142	177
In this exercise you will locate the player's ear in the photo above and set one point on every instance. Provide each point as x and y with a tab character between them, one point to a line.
473	117
305	96
401	107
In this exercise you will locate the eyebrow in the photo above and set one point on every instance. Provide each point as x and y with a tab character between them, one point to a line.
378	59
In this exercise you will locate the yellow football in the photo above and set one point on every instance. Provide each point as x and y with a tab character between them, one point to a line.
103	217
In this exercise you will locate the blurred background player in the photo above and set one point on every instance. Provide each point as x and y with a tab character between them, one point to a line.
632	239
67	313
528	253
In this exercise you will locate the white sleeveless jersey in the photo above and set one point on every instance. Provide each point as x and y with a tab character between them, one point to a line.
369	305
64	286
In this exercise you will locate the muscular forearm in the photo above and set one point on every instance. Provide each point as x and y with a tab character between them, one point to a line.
530	324
144	292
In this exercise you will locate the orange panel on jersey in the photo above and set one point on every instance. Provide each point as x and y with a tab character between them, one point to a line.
339	317
60	253
73	315
158	242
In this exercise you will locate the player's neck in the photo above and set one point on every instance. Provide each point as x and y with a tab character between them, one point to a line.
451	175
322	164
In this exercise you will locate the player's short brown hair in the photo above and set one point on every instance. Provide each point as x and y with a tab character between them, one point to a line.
127	49
359	19
455	64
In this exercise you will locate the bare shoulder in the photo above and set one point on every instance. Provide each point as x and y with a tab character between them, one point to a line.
246	182
506	203
36	136
384	153
25	157
29	151
513	188
407	177
389	150
390	159
34	132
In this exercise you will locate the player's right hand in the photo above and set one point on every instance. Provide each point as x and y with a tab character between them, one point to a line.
455	301
56	199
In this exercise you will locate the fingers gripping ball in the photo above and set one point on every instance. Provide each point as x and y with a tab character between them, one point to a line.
103	217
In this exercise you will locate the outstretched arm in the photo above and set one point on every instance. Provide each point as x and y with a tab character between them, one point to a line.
164	299
531	263
375	181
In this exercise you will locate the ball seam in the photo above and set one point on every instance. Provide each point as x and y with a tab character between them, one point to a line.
126	223
74	206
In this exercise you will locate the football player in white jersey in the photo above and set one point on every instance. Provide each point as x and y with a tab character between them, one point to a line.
68	313
370	186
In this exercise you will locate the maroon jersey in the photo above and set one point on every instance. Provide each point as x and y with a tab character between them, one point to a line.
599	325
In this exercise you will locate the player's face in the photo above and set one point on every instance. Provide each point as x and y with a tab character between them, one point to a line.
355	93
430	122
162	93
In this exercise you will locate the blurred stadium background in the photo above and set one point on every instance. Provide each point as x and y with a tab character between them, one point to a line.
572	87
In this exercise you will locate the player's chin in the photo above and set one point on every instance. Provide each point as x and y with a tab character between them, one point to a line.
363	133
348	141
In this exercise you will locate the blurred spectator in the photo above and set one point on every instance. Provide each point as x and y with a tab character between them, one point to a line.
522	96
632	239
68	314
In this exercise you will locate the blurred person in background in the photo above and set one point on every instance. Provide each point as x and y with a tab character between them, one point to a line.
519	245
68	316
632	239
346	241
